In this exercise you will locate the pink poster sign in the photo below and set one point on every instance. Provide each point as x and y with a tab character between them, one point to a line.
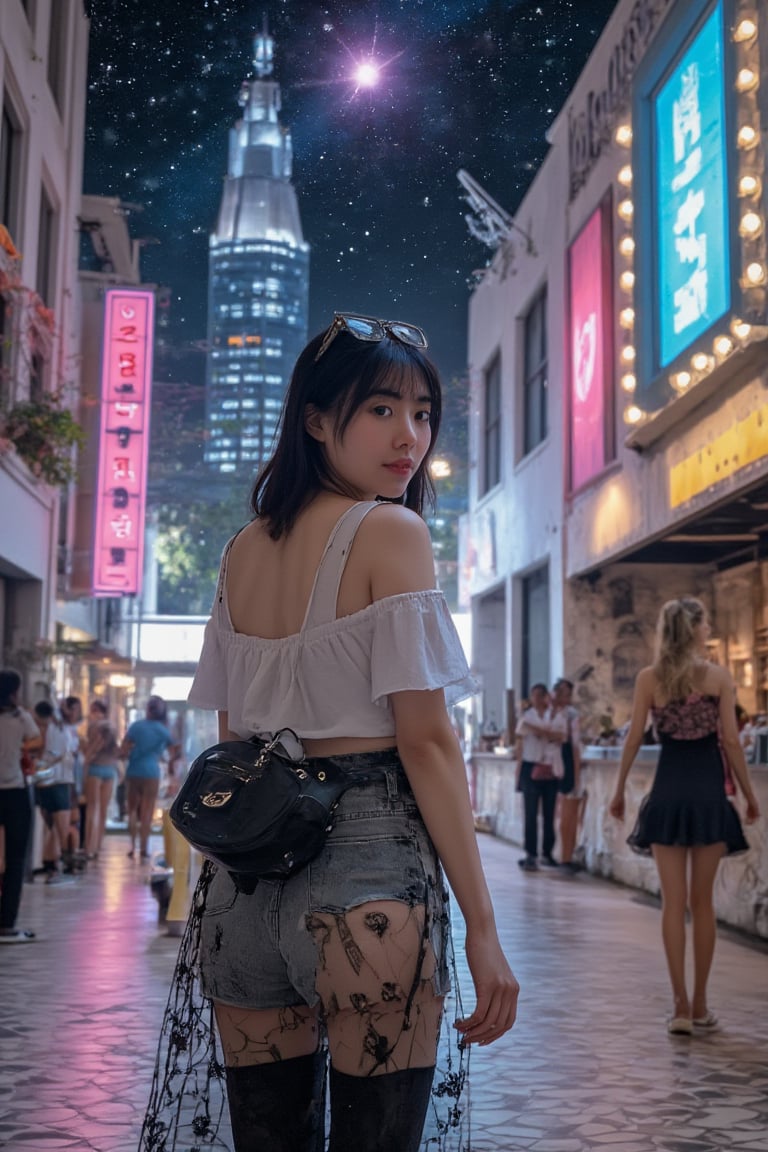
589	367
126	390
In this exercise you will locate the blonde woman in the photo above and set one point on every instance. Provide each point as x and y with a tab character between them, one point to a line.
686	821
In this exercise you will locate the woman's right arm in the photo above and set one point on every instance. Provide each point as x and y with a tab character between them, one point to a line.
435	768
401	561
641	706
732	747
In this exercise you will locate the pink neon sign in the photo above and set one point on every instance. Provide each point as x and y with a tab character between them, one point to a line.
126	390
590	349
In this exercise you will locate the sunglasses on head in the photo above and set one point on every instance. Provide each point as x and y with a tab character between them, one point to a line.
369	328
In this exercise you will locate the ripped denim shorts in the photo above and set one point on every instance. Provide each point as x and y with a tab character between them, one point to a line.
258	951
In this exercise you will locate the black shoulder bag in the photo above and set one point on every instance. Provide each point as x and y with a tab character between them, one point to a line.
251	809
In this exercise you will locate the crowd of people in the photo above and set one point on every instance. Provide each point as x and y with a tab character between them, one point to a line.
53	760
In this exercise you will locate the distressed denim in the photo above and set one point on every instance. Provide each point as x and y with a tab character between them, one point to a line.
264	950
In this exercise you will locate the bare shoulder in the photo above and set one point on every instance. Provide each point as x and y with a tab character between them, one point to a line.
251	536
718	680
398	550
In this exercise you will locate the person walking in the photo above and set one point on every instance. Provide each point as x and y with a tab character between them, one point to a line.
144	744
101	774
327	620
686	821
16	727
570	802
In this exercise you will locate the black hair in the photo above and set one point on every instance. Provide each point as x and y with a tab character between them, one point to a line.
156	709
535	686
347	373
71	701
100	706
563	680
43	709
10	682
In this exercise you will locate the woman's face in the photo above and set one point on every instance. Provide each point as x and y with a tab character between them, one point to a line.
382	446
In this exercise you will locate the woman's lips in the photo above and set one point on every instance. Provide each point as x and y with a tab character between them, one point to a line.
401	467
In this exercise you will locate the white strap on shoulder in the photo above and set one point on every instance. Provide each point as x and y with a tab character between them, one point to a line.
322	604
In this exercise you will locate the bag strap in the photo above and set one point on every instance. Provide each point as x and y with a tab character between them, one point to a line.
325	591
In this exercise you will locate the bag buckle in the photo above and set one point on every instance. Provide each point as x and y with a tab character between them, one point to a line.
216	799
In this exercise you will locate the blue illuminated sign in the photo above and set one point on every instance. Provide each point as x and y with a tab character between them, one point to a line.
691	193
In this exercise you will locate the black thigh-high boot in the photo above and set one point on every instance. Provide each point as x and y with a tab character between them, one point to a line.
379	1113
278	1107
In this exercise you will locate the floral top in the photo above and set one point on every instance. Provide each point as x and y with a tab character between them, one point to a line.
693	718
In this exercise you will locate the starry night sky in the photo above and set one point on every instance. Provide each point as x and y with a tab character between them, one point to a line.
464	84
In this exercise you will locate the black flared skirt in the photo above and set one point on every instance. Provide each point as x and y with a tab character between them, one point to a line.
687	805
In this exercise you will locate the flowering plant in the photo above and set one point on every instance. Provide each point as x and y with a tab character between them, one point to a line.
43	432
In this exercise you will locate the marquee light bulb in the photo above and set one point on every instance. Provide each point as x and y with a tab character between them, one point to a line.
746	80
627	245
626	209
633	414
700	361
628	382
745	30
625	175
627	317
750	225
628	354
755	273
624	135
750	186
722	345
740	328
747	137
681	380
627	280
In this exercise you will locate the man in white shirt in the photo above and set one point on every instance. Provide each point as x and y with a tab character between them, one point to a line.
540	733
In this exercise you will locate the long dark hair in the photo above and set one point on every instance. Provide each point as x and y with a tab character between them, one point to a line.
347	373
10	682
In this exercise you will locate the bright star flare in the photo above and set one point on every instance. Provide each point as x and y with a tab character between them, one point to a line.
367	75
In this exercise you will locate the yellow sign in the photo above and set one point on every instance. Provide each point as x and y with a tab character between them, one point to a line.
741	444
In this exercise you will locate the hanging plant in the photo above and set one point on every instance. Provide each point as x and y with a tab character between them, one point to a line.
43	432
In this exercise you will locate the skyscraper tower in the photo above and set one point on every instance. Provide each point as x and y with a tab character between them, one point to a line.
258	281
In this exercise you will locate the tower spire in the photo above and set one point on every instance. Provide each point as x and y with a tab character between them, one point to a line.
263	51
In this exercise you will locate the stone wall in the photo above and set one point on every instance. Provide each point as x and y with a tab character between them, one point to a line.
741	888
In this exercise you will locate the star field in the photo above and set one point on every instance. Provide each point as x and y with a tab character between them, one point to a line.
461	84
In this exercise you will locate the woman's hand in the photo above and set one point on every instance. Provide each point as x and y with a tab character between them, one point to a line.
496	991
753	810
616	806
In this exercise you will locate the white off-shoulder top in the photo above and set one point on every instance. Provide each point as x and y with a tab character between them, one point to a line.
335	676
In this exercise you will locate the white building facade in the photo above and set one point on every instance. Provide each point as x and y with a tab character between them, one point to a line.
617	348
43	67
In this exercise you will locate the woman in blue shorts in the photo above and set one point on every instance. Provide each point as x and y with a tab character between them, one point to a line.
101	775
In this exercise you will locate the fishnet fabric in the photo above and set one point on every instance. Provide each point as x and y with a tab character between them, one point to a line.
187	1109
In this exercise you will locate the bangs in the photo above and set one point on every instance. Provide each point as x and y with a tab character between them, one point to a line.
395	368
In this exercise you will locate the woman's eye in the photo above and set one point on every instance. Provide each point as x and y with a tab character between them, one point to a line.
382	410
424	416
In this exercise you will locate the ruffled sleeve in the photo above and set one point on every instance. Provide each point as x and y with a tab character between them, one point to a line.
416	648
210	686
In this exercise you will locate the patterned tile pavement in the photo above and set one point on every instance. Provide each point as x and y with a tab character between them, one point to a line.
589	1066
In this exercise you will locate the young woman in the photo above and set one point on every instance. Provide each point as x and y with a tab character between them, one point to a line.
101	774
327	620
686	821
53	794
16	728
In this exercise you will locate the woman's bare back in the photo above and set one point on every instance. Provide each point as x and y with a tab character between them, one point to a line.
269	583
